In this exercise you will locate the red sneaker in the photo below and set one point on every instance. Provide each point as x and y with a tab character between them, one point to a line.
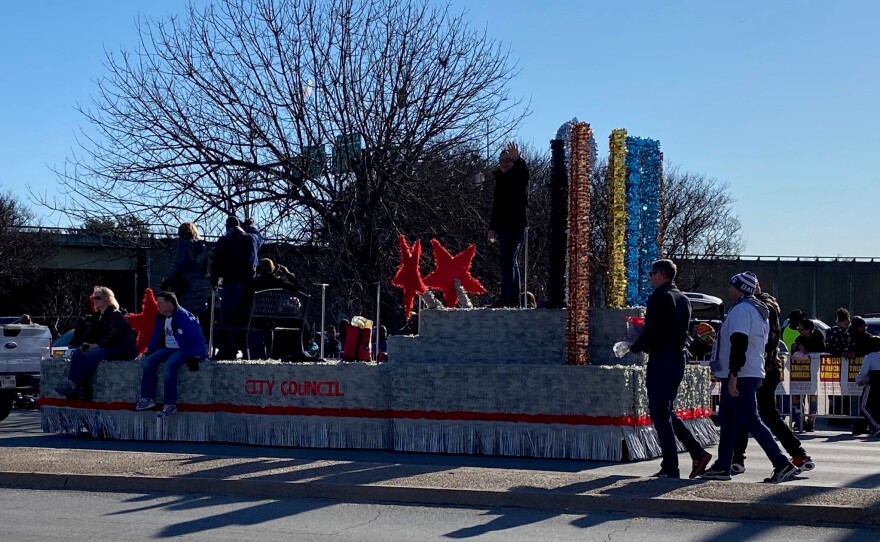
699	465
803	462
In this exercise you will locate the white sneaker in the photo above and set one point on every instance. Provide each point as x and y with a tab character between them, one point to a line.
166	411
144	404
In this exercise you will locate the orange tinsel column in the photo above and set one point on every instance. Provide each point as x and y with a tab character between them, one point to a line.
578	316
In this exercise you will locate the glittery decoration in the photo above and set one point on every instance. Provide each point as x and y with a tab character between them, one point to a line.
633	220
643	198
558	223
577	318
650	196
616	283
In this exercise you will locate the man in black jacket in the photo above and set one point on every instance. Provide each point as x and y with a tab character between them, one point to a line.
507	225
235	261
664	337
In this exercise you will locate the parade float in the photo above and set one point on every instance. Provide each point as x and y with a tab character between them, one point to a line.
515	382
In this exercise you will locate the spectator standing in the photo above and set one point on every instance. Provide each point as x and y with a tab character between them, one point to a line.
869	377
235	260
766	398
507	224
838	338
108	336
790	332
810	339
664	337
739	362
861	343
189	278
177	339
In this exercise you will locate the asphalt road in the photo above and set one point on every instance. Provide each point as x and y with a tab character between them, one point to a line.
31	516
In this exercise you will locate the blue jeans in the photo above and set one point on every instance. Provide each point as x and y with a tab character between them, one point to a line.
742	413
664	374
509	242
173	359
83	365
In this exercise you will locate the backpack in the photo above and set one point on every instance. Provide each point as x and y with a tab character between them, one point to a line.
771	349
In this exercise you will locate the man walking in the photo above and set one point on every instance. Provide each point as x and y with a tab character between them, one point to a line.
738	361
507	225
664	338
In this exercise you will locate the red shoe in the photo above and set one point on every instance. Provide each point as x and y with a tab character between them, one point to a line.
803	462
699	465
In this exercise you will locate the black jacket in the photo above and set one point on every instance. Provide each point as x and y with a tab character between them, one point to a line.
112	332
666	321
511	197
235	256
863	344
815	342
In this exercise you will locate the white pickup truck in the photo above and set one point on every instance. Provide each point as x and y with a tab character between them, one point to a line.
22	347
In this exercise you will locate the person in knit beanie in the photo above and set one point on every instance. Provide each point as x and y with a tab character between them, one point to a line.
738	361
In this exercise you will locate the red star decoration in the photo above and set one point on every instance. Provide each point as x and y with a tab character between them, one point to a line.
408	276
144	322
448	268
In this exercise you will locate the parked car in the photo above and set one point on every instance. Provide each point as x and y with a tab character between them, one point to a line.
873	324
61	345
23	348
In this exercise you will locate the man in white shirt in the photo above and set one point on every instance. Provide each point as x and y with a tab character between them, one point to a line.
869	377
738	360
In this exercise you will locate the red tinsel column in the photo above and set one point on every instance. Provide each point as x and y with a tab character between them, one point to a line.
578	317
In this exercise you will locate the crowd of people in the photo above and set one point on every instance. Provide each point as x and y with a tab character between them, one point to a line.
745	353
184	320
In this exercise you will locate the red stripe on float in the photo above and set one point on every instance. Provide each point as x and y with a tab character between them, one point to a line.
278	410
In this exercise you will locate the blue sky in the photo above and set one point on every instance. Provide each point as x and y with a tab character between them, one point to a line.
777	98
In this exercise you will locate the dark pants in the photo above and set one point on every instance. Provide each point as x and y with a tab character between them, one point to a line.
234	311
173	359
83	365
742	413
510	241
664	375
766	398
870	406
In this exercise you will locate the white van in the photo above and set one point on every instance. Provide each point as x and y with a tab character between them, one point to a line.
22	348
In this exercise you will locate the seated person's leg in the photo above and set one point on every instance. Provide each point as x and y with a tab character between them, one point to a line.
150	366
172	364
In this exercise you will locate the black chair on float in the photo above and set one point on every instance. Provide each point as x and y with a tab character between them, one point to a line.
281	317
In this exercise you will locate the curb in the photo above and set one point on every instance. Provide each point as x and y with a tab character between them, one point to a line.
541	500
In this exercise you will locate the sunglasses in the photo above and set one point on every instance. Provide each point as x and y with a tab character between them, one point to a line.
98	297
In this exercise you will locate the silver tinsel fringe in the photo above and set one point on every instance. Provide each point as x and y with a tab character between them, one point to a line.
510	439
303	431
431	436
270	430
641	442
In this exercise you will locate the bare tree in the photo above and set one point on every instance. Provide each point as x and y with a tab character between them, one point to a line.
232	109
697	221
23	247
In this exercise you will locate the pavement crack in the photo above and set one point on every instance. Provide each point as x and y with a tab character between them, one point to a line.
629	523
376	517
